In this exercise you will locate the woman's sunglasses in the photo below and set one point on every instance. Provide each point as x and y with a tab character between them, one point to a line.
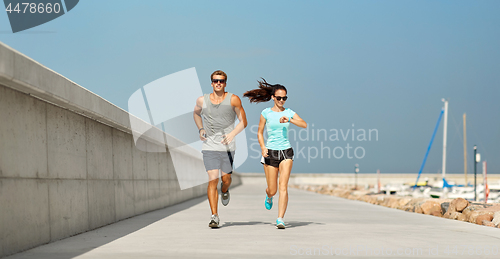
279	98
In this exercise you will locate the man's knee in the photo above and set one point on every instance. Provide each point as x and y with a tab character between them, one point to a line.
226	177
213	183
213	175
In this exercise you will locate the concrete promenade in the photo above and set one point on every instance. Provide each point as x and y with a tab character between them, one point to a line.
320	225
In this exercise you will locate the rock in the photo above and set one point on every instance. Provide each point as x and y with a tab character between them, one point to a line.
496	218
370	199
461	217
458	209
488	223
418	208
490	210
374	199
448	214
451	208
440	201
445	206
471	208
436	211
452	215
456	205
344	193
389	201
414	204
380	199
431	207
323	190
492	207
394	202
483	217
410	208
479	215
461	204
402	202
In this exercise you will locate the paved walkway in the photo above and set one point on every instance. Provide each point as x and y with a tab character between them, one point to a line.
319	225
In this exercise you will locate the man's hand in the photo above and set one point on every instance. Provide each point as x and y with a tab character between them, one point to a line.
203	135
227	139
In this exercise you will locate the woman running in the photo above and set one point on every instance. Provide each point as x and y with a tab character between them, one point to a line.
277	153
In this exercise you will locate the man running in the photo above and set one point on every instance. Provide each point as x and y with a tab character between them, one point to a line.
218	111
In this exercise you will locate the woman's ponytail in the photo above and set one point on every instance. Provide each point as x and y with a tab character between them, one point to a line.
264	92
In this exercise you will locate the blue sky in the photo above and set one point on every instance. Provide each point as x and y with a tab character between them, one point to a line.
381	65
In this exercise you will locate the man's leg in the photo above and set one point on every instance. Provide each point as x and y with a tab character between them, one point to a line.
213	197
226	169
226	181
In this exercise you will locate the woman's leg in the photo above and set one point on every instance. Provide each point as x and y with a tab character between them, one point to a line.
285	169
272	180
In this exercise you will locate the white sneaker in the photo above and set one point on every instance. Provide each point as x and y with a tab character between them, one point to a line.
214	221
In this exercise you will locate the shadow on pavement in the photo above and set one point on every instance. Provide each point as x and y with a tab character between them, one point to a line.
247	223
291	224
80	244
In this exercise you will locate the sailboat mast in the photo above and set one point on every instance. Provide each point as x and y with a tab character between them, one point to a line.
465	151
445	135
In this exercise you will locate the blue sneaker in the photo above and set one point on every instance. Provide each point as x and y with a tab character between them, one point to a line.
269	202
280	224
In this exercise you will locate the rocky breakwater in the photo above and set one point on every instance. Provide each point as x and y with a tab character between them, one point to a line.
456	209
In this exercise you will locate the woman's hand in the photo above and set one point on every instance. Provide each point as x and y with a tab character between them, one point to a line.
265	152
284	119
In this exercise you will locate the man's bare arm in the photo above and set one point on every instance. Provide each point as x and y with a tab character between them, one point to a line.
197	117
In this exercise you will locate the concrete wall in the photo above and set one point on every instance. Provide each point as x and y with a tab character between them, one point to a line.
68	161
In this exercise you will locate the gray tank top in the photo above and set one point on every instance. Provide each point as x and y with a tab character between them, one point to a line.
218	120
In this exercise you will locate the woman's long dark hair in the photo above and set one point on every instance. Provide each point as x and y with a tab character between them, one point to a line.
264	92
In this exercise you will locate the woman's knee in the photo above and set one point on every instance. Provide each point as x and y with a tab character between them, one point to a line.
272	191
283	189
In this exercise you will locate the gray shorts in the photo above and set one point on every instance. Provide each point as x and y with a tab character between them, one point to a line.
222	160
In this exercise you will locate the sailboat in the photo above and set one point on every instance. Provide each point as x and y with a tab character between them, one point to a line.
444	189
437	191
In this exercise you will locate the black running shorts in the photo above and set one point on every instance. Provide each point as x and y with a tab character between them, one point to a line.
276	156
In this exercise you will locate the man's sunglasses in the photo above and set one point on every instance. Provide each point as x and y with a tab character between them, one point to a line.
279	98
215	81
